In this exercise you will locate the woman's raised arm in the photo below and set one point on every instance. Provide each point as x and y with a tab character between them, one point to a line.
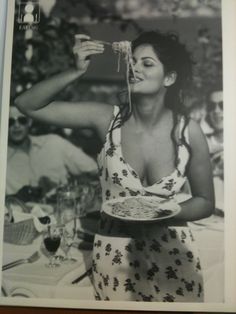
38	102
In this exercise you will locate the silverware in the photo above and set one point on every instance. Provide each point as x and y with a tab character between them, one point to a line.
33	258
102	42
85	274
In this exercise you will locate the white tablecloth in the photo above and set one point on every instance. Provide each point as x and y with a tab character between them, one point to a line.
35	280
209	234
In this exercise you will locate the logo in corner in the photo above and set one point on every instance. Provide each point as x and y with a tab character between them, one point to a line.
28	12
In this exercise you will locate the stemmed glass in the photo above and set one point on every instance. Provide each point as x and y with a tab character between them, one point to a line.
66	204
66	243
83	198
52	240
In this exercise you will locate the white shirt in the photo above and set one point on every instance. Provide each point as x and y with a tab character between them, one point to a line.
48	156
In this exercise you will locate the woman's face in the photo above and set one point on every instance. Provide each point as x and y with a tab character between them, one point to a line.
149	71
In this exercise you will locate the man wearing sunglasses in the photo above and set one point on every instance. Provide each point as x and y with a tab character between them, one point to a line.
215	141
215	113
215	120
31	158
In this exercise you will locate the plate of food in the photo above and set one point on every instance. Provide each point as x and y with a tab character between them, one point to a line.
141	208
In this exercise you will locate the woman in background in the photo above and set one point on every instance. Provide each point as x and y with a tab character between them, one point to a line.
151	150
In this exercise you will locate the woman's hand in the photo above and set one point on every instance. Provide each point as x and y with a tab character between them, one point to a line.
83	49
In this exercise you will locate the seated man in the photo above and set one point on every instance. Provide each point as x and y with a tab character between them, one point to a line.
33	158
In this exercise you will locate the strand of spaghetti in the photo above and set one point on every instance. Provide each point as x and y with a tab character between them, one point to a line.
118	64
131	61
128	84
124	48
130	66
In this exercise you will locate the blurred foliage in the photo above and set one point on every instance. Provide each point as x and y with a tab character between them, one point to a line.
51	45
208	67
48	50
157	8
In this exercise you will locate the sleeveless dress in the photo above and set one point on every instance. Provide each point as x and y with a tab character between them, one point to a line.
143	261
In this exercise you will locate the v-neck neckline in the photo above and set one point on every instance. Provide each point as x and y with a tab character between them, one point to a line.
133	171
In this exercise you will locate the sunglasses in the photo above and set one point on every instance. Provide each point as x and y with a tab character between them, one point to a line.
20	120
213	105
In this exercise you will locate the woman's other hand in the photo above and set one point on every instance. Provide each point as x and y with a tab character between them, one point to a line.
83	49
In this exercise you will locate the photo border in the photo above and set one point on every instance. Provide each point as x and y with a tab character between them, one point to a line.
229	79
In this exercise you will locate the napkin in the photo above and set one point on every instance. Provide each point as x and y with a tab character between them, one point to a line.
35	214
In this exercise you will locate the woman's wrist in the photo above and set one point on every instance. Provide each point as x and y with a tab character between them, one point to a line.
76	73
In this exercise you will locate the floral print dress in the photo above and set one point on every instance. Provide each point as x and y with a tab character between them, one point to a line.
143	261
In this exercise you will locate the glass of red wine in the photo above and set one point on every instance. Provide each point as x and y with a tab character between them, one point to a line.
52	240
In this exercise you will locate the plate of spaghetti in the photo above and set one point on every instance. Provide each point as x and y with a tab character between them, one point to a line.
141	208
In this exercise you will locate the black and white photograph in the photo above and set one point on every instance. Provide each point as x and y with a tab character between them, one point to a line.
114	164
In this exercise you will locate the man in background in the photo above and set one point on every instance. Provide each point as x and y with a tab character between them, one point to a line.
31	159
214	118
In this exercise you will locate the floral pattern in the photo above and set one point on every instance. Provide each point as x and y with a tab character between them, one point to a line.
129	270
148	262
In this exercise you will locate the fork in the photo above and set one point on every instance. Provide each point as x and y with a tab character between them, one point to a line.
33	258
103	42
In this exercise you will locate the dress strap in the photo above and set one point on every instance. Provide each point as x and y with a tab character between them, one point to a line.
116	111
183	130
113	123
183	151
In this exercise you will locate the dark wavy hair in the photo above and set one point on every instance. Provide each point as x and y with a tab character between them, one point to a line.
175	58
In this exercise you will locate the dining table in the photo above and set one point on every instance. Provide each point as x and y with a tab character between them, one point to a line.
73	280
36	280
209	234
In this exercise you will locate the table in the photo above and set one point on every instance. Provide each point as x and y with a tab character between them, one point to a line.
209	236
38	281
35	280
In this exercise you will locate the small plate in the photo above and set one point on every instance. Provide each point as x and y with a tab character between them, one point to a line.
141	208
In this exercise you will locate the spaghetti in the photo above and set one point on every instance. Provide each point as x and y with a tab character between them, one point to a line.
139	208
124	49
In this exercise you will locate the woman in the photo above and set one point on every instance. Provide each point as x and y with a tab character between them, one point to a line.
151	150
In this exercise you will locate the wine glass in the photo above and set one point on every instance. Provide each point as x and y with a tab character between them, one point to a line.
67	220
66	243
83	200
66	206
52	240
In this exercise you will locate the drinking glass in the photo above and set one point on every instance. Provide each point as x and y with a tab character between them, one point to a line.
66	243
52	240
66	206
83	200
66	203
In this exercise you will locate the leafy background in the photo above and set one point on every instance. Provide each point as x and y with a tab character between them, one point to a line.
47	49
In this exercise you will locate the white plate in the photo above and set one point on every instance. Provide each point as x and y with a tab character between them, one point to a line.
141	208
